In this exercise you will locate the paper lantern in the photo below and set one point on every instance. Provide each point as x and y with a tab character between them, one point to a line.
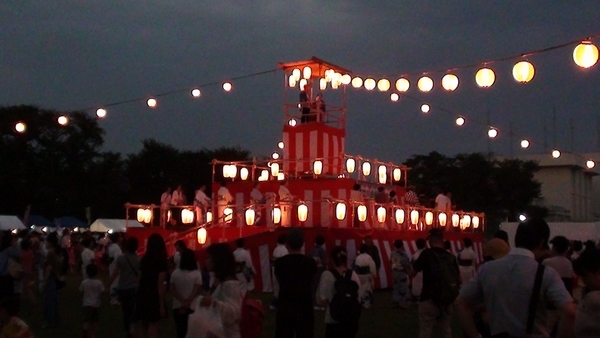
382	178
317	167
475	222
281	145
460	121
340	211
20	127
370	84
169	216
361	211
399	216
414	217
228	214
442	218
425	108
281	176
523	71
383	85
244	174
250	216
296	74
381	214
455	220
201	234
524	144
226	171
397	173
196	92
402	85
209	217
232	171
227	86
366	168
140	215
101	113
350	165
450	82
274	169
63	120
275	155
151	102
585	54
394	97
292	122
276	215
346	79
382	172
485	77
590	164
429	218
556	153
492	132
357	82
302	212
425	84
322	84
187	216
147	215
467	221
265	174
335	85
306	72
292	81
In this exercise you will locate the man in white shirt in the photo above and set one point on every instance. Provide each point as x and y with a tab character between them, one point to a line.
285	202
165	203
367	271
87	255
244	268
442	202
201	202
279	251
224	198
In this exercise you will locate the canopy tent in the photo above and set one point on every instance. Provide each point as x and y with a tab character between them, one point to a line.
38	221
69	222
571	230
116	225
10	223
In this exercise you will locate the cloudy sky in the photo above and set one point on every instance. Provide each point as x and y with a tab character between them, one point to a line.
70	55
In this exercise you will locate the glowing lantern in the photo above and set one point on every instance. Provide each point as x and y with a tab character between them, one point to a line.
265	174
334	85
244	174
590	164
485	77
20	127
306	72
357	82
228	213
250	216
492	132
151	102
425	108
524	144
187	216
196	92
475	222
394	97
460	121
414	217
442	218
209	217
585	54
382	171
366	168
383	85
340	211
381	214
467	221
346	79
429	218
292	122
147	216
556	153
281	145
402	85
169	216
101	113
455	220
303	84
63	120
275	169
201	236
232	171
397	173
450	82
302	212
317	167
280	176
226	171
361	212
350	165
523	71
399	216
296	74
370	84
425	84
275	156
276	215
292	81
140	215
322	84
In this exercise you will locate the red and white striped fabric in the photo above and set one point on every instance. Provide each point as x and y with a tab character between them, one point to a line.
306	142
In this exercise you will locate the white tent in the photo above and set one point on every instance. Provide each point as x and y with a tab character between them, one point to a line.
10	223
116	225
571	230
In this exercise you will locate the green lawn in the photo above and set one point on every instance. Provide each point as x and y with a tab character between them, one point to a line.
379	321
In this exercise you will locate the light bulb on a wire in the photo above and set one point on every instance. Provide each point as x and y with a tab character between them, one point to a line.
492	132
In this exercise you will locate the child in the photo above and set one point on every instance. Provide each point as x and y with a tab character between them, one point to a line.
92	289
12	326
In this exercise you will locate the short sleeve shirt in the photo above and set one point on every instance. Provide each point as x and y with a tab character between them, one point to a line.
184	282
326	291
92	290
129	267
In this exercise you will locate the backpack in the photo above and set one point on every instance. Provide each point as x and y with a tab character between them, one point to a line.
251	321
445	279
344	307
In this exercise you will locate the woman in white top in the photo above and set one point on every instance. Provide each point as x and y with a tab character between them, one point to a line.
186	281
326	291
364	265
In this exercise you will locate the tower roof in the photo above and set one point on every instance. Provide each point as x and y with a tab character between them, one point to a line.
318	66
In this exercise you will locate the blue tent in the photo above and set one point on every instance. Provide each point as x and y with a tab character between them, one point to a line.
70	222
39	221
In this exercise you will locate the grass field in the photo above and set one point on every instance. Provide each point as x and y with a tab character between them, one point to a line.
381	321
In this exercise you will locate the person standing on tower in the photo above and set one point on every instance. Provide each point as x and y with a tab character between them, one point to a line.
285	202
305	103
224	198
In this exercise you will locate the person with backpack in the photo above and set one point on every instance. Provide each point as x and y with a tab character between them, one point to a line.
441	284
338	292
400	264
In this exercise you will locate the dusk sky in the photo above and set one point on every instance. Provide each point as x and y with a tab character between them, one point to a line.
71	55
